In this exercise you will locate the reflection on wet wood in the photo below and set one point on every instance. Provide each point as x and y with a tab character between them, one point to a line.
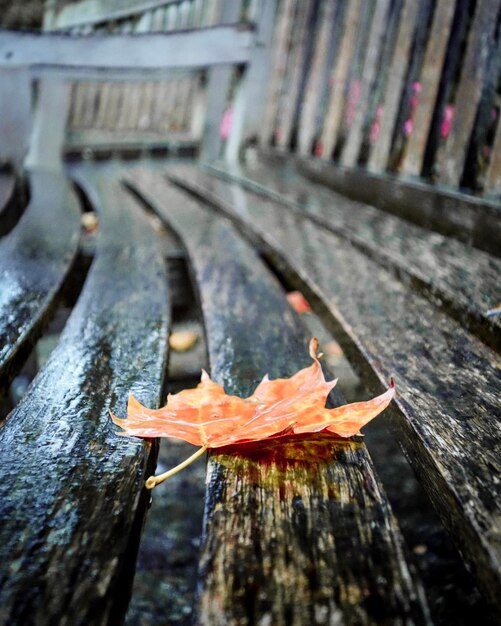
447	380
286	541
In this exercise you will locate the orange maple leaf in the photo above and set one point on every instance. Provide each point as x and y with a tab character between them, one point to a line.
206	416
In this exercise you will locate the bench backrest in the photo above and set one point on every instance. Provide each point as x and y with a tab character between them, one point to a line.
192	67
404	87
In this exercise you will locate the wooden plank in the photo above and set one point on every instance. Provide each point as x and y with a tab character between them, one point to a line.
493	177
447	380
339	78
34	261
49	124
201	47
371	69
279	64
218	86
15	115
390	102
90	13
284	541
259	70
313	91
72	486
466	218
429	79
297	66
479	49
464	280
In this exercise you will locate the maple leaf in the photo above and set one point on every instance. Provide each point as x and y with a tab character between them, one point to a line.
208	417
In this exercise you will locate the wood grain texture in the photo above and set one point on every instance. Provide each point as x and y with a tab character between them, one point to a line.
317	76
286	541
368	78
393	92
339	79
480	46
464	280
472	220
297	67
34	261
279	65
71	493
447	412
431	73
493	176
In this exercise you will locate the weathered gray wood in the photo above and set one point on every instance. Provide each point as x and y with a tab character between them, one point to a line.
430	81
313	91
89	12
463	279
71	494
393	92
469	92
201	47
472	220
34	261
447	409
493	176
296	68
285	540
49	124
218	86
279	64
259	70
370	71
339	78
15	114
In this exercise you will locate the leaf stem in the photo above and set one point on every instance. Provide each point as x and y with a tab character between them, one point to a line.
153	481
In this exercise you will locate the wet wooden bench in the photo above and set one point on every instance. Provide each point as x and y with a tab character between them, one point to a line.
296	533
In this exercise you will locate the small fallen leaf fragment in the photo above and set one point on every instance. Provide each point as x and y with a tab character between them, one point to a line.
298	302
183	340
206	416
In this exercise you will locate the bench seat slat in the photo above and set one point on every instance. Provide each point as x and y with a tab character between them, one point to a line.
447	408
298	532
34	260
464	279
70	495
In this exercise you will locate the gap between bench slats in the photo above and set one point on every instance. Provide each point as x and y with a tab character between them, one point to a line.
447	380
464	279
298	532
9	201
34	261
71	504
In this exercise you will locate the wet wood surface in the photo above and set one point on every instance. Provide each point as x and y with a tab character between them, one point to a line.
35	258
71	494
446	414
298	532
474	221
464	280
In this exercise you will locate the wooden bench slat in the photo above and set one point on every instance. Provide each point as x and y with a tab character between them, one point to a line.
465	280
297	532
34	260
429	79
481	45
446	413
71	494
